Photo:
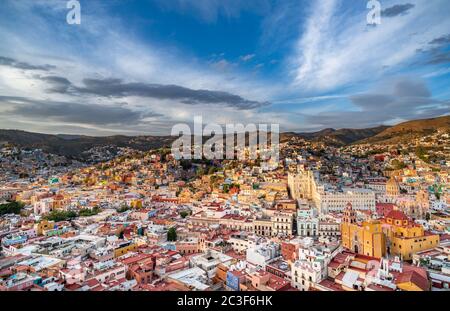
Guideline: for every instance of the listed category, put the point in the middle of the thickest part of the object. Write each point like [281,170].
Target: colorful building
[366,238]
[405,237]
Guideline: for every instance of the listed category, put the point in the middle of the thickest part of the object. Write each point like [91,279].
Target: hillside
[74,145]
[334,137]
[344,137]
[406,131]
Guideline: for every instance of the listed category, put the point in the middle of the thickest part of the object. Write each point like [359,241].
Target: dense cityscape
[362,217]
[224,153]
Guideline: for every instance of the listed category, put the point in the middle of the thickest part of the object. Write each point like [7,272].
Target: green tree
[226,188]
[13,207]
[172,234]
[184,214]
[212,170]
[200,172]
[397,164]
[60,215]
[84,212]
[123,209]
[437,195]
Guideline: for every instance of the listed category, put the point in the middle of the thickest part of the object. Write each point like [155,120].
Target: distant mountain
[337,138]
[406,131]
[74,145]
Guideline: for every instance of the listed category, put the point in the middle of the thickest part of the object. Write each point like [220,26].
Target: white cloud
[84,51]
[246,58]
[336,50]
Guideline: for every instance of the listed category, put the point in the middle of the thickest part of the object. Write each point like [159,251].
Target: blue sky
[141,66]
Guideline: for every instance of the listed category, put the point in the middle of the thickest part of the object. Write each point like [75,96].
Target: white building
[263,253]
[329,228]
[195,278]
[307,226]
[337,200]
[239,242]
[43,206]
[209,261]
[309,269]
[306,185]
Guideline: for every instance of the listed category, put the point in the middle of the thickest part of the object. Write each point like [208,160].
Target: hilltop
[73,145]
[406,131]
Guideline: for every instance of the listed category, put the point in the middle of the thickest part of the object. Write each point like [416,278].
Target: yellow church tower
[366,238]
[392,187]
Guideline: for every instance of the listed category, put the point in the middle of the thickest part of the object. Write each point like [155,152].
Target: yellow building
[44,225]
[392,187]
[185,195]
[405,237]
[136,203]
[395,235]
[124,248]
[365,238]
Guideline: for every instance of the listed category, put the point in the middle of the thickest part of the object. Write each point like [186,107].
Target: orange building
[289,251]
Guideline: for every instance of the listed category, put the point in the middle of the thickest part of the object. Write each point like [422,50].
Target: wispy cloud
[337,50]
[119,89]
[396,10]
[441,40]
[74,113]
[401,99]
[323,51]
[246,58]
[10,62]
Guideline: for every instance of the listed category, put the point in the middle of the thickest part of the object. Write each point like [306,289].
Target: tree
[200,172]
[11,208]
[437,195]
[212,170]
[184,214]
[60,215]
[186,164]
[87,212]
[172,235]
[226,188]
[397,164]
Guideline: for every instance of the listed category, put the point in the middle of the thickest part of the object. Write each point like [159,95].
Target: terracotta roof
[415,278]
[383,209]
[397,215]
[334,264]
[331,285]
[74,286]
[380,288]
